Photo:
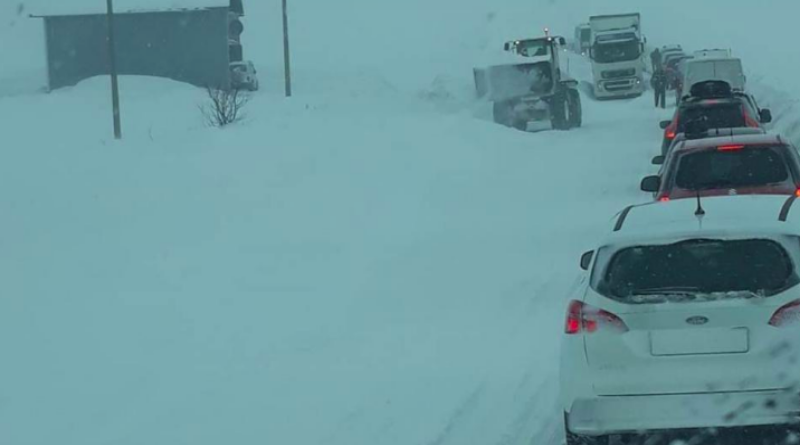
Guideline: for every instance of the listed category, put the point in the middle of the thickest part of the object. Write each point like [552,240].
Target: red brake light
[749,121]
[797,192]
[787,314]
[730,147]
[582,317]
[666,198]
[672,130]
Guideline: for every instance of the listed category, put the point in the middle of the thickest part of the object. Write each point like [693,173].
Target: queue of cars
[687,314]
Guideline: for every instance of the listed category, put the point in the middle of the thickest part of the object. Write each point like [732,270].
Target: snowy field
[371,262]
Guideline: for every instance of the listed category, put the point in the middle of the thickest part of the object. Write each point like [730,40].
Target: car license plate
[699,341]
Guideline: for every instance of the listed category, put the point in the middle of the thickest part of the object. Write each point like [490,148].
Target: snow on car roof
[745,216]
[43,8]
[745,139]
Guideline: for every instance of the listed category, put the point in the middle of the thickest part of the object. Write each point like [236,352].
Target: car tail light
[749,121]
[786,315]
[672,130]
[797,192]
[730,147]
[583,318]
[664,198]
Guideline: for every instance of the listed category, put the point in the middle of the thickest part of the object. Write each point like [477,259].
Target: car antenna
[699,212]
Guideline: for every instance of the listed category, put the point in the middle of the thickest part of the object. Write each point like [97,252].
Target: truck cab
[583,39]
[617,55]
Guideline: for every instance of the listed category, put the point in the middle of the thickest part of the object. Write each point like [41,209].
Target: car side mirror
[658,160]
[562,41]
[586,259]
[664,124]
[651,184]
[507,46]
[765,115]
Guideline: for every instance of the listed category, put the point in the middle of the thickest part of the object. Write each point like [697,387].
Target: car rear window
[698,269]
[716,116]
[716,169]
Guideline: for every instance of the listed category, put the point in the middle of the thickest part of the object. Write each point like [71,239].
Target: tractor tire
[558,111]
[502,113]
[574,109]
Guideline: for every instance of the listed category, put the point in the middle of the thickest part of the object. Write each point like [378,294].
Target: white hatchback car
[688,317]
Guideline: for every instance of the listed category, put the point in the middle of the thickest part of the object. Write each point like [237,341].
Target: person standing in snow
[659,84]
[655,59]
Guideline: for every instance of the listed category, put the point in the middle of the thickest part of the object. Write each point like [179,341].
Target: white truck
[583,39]
[617,55]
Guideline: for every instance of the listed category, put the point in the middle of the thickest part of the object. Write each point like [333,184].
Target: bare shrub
[224,106]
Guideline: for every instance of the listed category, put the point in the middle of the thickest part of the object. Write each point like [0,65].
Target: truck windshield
[697,269]
[586,35]
[533,48]
[616,51]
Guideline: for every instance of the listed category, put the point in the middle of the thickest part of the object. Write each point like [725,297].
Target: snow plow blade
[504,82]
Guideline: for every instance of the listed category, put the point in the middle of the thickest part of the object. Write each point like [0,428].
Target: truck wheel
[558,111]
[502,113]
[574,109]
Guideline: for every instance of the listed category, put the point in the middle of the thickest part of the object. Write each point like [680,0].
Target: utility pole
[112,62]
[286,59]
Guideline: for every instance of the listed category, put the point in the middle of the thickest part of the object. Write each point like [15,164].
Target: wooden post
[112,61]
[286,59]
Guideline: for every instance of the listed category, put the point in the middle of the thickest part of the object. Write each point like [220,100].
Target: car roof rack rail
[787,207]
[621,219]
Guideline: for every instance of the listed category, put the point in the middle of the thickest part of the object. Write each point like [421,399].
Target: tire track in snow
[537,422]
[465,408]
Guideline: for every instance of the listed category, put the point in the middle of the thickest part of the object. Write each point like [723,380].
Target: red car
[734,165]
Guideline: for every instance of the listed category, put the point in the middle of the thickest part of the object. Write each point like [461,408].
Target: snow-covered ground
[369,262]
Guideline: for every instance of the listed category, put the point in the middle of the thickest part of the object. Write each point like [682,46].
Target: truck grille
[616,74]
[619,85]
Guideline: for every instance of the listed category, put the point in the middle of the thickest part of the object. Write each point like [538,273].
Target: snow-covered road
[395,277]
[369,263]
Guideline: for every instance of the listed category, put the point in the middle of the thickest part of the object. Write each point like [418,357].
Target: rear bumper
[627,414]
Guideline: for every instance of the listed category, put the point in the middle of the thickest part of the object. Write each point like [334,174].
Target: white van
[727,69]
[713,54]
